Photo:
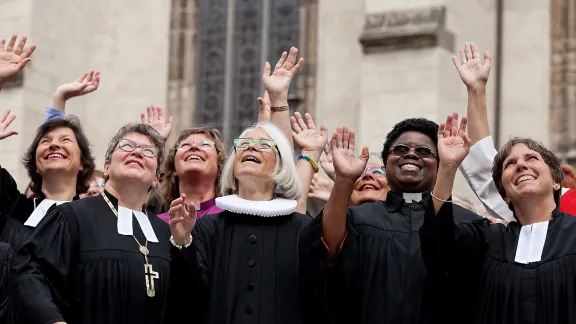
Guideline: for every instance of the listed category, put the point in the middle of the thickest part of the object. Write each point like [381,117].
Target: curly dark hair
[422,125]
[86,158]
[549,158]
[170,184]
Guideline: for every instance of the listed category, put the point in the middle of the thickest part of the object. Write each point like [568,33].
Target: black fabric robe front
[499,289]
[6,257]
[247,269]
[15,208]
[77,268]
[379,275]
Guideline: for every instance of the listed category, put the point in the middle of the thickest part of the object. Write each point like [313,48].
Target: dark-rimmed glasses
[422,152]
[129,146]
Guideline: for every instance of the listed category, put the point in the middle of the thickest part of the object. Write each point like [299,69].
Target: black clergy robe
[501,290]
[76,268]
[247,269]
[15,208]
[379,275]
[6,257]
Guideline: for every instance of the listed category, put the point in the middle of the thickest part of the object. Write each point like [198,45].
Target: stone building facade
[369,63]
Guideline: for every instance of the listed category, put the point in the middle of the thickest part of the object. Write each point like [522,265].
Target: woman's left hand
[278,83]
[182,220]
[310,140]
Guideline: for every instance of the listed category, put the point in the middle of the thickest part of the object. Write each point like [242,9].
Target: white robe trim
[531,242]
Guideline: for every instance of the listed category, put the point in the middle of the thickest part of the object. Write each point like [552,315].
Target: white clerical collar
[125,223]
[268,208]
[531,242]
[40,211]
[412,196]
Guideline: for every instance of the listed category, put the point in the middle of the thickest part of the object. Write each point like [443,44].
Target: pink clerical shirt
[207,207]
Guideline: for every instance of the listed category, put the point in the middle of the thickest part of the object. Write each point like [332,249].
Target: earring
[556,186]
[507,200]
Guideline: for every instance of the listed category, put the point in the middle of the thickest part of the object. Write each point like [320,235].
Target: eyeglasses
[129,146]
[375,172]
[97,184]
[422,152]
[204,144]
[260,144]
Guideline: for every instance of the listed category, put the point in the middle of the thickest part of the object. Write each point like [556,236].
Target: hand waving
[320,188]
[309,139]
[264,103]
[453,142]
[182,220]
[5,120]
[88,83]
[346,164]
[327,164]
[155,117]
[473,71]
[13,60]
[284,71]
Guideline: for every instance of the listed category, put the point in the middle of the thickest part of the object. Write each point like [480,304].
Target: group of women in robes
[237,245]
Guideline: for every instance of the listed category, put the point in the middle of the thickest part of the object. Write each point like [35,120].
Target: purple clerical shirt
[207,207]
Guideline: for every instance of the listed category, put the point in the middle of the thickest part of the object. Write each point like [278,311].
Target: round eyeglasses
[130,146]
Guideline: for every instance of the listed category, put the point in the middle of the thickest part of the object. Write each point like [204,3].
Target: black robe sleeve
[6,257]
[43,267]
[324,287]
[9,196]
[448,246]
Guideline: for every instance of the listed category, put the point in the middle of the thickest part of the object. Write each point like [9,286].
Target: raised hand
[155,117]
[13,59]
[182,220]
[320,188]
[309,139]
[473,70]
[326,162]
[278,82]
[5,120]
[264,103]
[346,164]
[453,142]
[86,84]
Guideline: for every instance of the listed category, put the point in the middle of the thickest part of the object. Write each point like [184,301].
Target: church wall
[127,43]
[339,57]
[526,70]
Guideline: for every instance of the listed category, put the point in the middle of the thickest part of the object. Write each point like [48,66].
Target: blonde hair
[284,175]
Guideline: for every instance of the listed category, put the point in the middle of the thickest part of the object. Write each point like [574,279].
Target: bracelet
[309,159]
[280,108]
[179,247]
[442,200]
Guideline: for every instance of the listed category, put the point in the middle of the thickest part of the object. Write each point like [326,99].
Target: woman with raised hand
[522,273]
[59,163]
[108,259]
[247,255]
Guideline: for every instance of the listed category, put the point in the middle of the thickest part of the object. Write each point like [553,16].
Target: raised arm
[156,118]
[277,85]
[86,84]
[477,167]
[348,168]
[9,194]
[311,142]
[13,58]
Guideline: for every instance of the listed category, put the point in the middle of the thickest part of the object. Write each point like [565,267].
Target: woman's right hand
[182,220]
[5,120]
[453,142]
[88,83]
[346,165]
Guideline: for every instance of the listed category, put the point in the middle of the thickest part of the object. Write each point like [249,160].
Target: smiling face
[412,163]
[125,166]
[197,155]
[58,151]
[526,174]
[255,155]
[371,186]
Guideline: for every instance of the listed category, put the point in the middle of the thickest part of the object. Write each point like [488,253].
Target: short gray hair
[285,174]
[143,129]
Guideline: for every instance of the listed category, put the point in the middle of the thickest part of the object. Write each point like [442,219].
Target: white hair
[284,175]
